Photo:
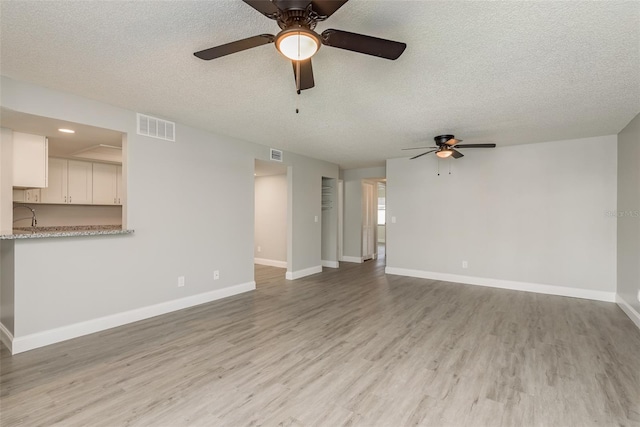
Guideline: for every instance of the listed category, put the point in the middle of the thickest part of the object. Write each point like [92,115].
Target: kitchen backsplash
[52,215]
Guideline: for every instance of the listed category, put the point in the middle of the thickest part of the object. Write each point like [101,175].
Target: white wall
[521,216]
[191,204]
[271,218]
[352,244]
[628,213]
[6,180]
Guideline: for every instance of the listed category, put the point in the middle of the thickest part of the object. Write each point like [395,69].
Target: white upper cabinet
[70,182]
[30,160]
[119,184]
[80,182]
[56,192]
[105,184]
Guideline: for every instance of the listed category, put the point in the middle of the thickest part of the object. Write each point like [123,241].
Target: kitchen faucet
[34,221]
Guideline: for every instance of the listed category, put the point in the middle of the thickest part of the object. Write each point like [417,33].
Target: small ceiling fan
[298,42]
[446,146]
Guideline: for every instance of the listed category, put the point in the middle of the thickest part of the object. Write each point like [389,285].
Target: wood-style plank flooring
[349,346]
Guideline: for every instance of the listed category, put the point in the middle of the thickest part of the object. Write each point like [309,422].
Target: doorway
[374,219]
[381,221]
[270,221]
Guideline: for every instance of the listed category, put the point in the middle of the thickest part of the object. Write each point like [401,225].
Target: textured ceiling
[503,72]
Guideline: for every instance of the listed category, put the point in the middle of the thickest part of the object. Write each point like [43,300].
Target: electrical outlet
[465,264]
[216,275]
[315,218]
[638,294]
[259,249]
[393,220]
[180,281]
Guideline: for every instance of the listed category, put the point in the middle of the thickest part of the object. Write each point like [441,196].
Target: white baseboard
[270,262]
[628,310]
[6,337]
[292,275]
[52,336]
[357,259]
[330,264]
[507,284]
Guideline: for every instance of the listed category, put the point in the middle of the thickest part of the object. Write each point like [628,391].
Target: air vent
[276,155]
[156,128]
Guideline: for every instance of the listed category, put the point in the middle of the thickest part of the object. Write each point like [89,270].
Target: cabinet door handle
[114,200]
[69,199]
[65,199]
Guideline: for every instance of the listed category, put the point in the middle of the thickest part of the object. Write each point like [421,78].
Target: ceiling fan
[298,42]
[446,147]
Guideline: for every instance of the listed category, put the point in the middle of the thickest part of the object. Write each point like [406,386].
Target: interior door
[368,220]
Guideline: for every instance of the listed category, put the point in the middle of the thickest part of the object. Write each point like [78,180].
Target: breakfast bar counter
[64,231]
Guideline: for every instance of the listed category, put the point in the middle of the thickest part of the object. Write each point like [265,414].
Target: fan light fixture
[443,154]
[297,43]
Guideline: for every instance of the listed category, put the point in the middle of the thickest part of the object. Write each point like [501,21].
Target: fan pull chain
[449,167]
[438,166]
[297,83]
[298,76]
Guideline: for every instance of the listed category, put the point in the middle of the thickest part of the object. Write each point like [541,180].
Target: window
[381,211]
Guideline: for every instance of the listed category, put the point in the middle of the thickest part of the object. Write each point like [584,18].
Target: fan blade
[363,44]
[327,8]
[233,47]
[265,7]
[476,146]
[453,141]
[417,148]
[306,74]
[420,155]
[455,153]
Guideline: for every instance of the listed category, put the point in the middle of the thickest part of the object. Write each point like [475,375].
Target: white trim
[51,336]
[6,337]
[357,259]
[270,262]
[292,275]
[330,264]
[628,310]
[507,284]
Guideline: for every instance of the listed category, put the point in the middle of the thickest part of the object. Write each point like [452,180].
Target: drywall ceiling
[63,144]
[504,72]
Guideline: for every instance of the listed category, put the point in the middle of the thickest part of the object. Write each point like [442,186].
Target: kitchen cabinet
[27,196]
[70,182]
[119,187]
[30,160]
[107,184]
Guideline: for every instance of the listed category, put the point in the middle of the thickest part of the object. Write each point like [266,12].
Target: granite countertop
[64,231]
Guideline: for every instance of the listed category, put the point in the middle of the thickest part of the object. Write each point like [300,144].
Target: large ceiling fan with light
[446,146]
[299,42]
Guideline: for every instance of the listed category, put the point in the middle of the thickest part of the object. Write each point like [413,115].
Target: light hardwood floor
[344,347]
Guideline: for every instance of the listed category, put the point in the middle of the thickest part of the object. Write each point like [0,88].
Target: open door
[369,220]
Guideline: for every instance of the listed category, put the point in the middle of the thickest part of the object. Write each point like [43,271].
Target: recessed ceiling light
[67,130]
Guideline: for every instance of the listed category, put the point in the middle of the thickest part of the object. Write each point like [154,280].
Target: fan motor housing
[442,139]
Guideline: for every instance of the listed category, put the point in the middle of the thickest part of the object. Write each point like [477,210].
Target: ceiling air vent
[276,155]
[156,128]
